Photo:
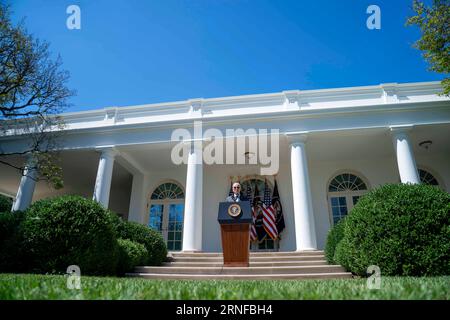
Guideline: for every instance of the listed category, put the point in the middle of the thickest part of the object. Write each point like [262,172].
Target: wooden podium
[235,219]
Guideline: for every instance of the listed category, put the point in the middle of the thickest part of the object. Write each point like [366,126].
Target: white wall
[216,188]
[438,165]
[154,179]
[216,184]
[375,172]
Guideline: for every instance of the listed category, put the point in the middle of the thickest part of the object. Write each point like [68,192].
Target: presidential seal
[234,210]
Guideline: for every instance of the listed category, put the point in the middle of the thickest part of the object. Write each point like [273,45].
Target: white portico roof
[281,104]
[357,109]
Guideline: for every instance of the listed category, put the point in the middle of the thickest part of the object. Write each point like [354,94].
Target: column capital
[297,138]
[31,162]
[396,129]
[109,151]
[195,144]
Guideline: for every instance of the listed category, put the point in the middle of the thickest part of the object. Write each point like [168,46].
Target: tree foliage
[434,23]
[32,93]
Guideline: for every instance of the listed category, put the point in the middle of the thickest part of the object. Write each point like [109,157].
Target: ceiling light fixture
[425,144]
[249,155]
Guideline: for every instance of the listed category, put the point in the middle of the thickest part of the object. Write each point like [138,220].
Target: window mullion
[349,199]
[165,220]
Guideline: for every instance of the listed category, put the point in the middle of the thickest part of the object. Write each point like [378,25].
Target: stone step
[296,276]
[263,266]
[176,254]
[288,253]
[241,270]
[252,264]
[219,259]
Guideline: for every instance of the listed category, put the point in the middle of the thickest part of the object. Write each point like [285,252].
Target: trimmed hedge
[402,228]
[5,203]
[12,257]
[152,240]
[334,237]
[131,254]
[70,230]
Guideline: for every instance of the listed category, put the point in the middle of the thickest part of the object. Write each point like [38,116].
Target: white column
[26,188]
[104,177]
[192,231]
[136,211]
[305,232]
[405,157]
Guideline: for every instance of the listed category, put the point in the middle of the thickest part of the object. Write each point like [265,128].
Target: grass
[30,287]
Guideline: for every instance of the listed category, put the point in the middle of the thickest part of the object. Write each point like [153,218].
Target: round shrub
[402,228]
[5,203]
[70,230]
[131,254]
[152,240]
[334,237]
[12,257]
[116,221]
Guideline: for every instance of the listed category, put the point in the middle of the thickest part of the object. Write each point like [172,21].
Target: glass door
[167,219]
[175,226]
[342,204]
[156,217]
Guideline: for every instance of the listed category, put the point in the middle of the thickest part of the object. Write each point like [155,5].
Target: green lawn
[15,286]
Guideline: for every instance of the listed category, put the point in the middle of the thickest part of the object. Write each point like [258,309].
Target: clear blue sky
[147,51]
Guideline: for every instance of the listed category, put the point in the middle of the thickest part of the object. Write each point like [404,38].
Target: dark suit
[233,199]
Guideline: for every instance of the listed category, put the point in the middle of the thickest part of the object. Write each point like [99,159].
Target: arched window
[166,214]
[168,190]
[248,186]
[428,178]
[344,190]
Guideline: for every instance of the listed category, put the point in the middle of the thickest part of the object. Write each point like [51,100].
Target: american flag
[257,207]
[253,234]
[269,214]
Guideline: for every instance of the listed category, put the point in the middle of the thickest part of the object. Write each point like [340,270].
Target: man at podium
[235,218]
[237,195]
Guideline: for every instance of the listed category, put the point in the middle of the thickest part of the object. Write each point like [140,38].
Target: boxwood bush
[402,228]
[152,240]
[12,257]
[334,237]
[70,230]
[5,203]
[131,254]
